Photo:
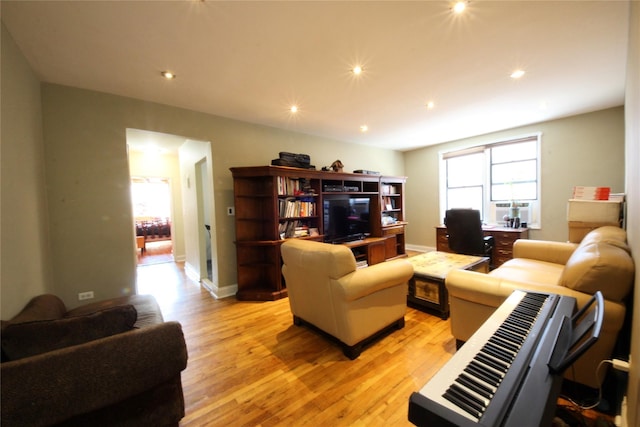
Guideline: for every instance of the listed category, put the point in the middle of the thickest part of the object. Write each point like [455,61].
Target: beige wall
[164,165]
[632,157]
[587,149]
[88,178]
[25,267]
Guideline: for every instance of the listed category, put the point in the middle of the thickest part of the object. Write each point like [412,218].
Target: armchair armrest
[544,250]
[366,281]
[60,384]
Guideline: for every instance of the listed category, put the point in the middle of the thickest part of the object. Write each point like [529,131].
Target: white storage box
[593,211]
[586,215]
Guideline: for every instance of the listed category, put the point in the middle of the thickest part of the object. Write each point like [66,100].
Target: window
[151,197]
[491,177]
[465,181]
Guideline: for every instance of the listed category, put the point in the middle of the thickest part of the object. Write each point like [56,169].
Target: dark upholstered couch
[109,363]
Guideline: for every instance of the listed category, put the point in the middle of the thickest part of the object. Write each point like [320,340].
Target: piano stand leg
[459,343]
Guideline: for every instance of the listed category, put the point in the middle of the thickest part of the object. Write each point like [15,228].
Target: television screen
[345,218]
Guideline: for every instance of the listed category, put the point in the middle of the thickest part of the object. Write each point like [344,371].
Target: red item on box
[591,193]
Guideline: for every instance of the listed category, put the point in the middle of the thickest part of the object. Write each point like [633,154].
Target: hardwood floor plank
[250,366]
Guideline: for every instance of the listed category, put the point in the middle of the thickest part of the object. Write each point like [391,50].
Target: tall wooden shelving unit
[393,220]
[261,195]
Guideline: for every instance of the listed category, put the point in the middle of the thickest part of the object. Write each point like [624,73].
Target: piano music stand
[569,343]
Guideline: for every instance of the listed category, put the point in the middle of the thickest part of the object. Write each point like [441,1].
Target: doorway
[188,164]
[151,200]
[204,194]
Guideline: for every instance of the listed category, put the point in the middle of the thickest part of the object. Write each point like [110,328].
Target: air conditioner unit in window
[499,209]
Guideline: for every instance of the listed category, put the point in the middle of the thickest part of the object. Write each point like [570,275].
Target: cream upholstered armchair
[352,305]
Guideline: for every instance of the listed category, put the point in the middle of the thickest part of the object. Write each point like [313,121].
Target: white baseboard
[191,272]
[420,248]
[215,291]
[218,292]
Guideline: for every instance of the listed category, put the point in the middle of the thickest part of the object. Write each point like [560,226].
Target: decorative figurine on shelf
[337,166]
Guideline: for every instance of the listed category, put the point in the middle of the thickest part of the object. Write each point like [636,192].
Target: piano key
[485,380]
[493,362]
[476,385]
[474,400]
[516,329]
[509,336]
[487,370]
[502,343]
[459,401]
[486,376]
[498,352]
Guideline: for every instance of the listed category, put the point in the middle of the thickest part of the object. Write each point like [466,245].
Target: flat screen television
[346,218]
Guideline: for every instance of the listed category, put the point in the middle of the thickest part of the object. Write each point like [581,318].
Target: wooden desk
[427,290]
[503,236]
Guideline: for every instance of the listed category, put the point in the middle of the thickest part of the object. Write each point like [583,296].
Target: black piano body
[481,386]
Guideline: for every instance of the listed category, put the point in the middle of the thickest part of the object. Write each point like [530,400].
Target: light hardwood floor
[250,366]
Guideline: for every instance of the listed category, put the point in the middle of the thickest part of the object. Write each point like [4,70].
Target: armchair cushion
[26,339]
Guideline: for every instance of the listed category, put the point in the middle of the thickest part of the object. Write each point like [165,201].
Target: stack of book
[291,207]
[591,193]
[288,229]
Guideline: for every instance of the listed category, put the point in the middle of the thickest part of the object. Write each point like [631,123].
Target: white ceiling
[250,60]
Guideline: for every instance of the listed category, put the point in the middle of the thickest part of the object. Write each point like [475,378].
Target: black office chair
[464,232]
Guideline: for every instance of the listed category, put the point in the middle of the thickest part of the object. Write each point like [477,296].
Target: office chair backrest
[464,228]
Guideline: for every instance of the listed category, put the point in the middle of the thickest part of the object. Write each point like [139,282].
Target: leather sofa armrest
[491,291]
[366,281]
[544,250]
[91,375]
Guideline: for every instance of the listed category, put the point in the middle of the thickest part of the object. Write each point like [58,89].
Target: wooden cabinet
[369,251]
[274,203]
[503,237]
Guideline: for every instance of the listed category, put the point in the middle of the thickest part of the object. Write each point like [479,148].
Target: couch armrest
[544,250]
[491,291]
[54,386]
[366,281]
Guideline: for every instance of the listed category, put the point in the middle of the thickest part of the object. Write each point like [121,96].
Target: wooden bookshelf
[275,203]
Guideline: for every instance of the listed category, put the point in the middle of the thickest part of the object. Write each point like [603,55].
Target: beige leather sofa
[353,305]
[602,261]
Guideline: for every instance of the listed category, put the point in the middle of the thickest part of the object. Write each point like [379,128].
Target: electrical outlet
[85,295]
[231,211]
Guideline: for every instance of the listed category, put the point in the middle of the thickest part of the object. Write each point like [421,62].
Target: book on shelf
[291,207]
[293,186]
[361,264]
[294,228]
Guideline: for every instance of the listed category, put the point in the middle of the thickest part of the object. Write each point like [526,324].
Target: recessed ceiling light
[364,128]
[168,75]
[357,70]
[459,6]
[430,105]
[517,74]
[294,109]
